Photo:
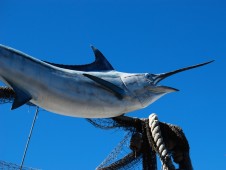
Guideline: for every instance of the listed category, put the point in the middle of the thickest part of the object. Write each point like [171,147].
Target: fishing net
[138,149]
[11,166]
[134,151]
[7,95]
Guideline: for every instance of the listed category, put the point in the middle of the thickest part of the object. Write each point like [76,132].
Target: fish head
[146,86]
[151,90]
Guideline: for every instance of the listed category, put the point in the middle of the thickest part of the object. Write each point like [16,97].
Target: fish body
[95,90]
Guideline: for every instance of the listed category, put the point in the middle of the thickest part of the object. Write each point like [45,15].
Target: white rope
[29,137]
[159,142]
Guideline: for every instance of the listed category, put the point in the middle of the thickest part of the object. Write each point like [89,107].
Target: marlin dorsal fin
[100,63]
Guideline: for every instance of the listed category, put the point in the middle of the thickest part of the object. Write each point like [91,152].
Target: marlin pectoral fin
[118,91]
[21,98]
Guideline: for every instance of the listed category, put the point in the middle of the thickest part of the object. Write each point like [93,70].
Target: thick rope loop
[167,163]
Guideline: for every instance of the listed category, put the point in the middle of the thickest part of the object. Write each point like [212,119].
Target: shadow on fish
[93,90]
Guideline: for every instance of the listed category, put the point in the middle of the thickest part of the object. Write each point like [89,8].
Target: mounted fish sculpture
[94,90]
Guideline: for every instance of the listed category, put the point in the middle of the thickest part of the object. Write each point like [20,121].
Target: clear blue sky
[136,36]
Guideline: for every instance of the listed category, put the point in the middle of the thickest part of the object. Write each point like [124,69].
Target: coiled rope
[160,146]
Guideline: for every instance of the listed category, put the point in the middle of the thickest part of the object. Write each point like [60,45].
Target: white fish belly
[79,98]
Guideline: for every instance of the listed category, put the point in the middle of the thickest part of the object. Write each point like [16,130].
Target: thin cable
[29,137]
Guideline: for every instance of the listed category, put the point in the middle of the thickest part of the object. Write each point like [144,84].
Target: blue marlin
[93,90]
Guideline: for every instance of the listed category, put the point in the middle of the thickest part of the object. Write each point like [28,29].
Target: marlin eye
[148,76]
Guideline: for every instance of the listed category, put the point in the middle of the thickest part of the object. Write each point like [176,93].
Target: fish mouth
[159,77]
[162,89]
